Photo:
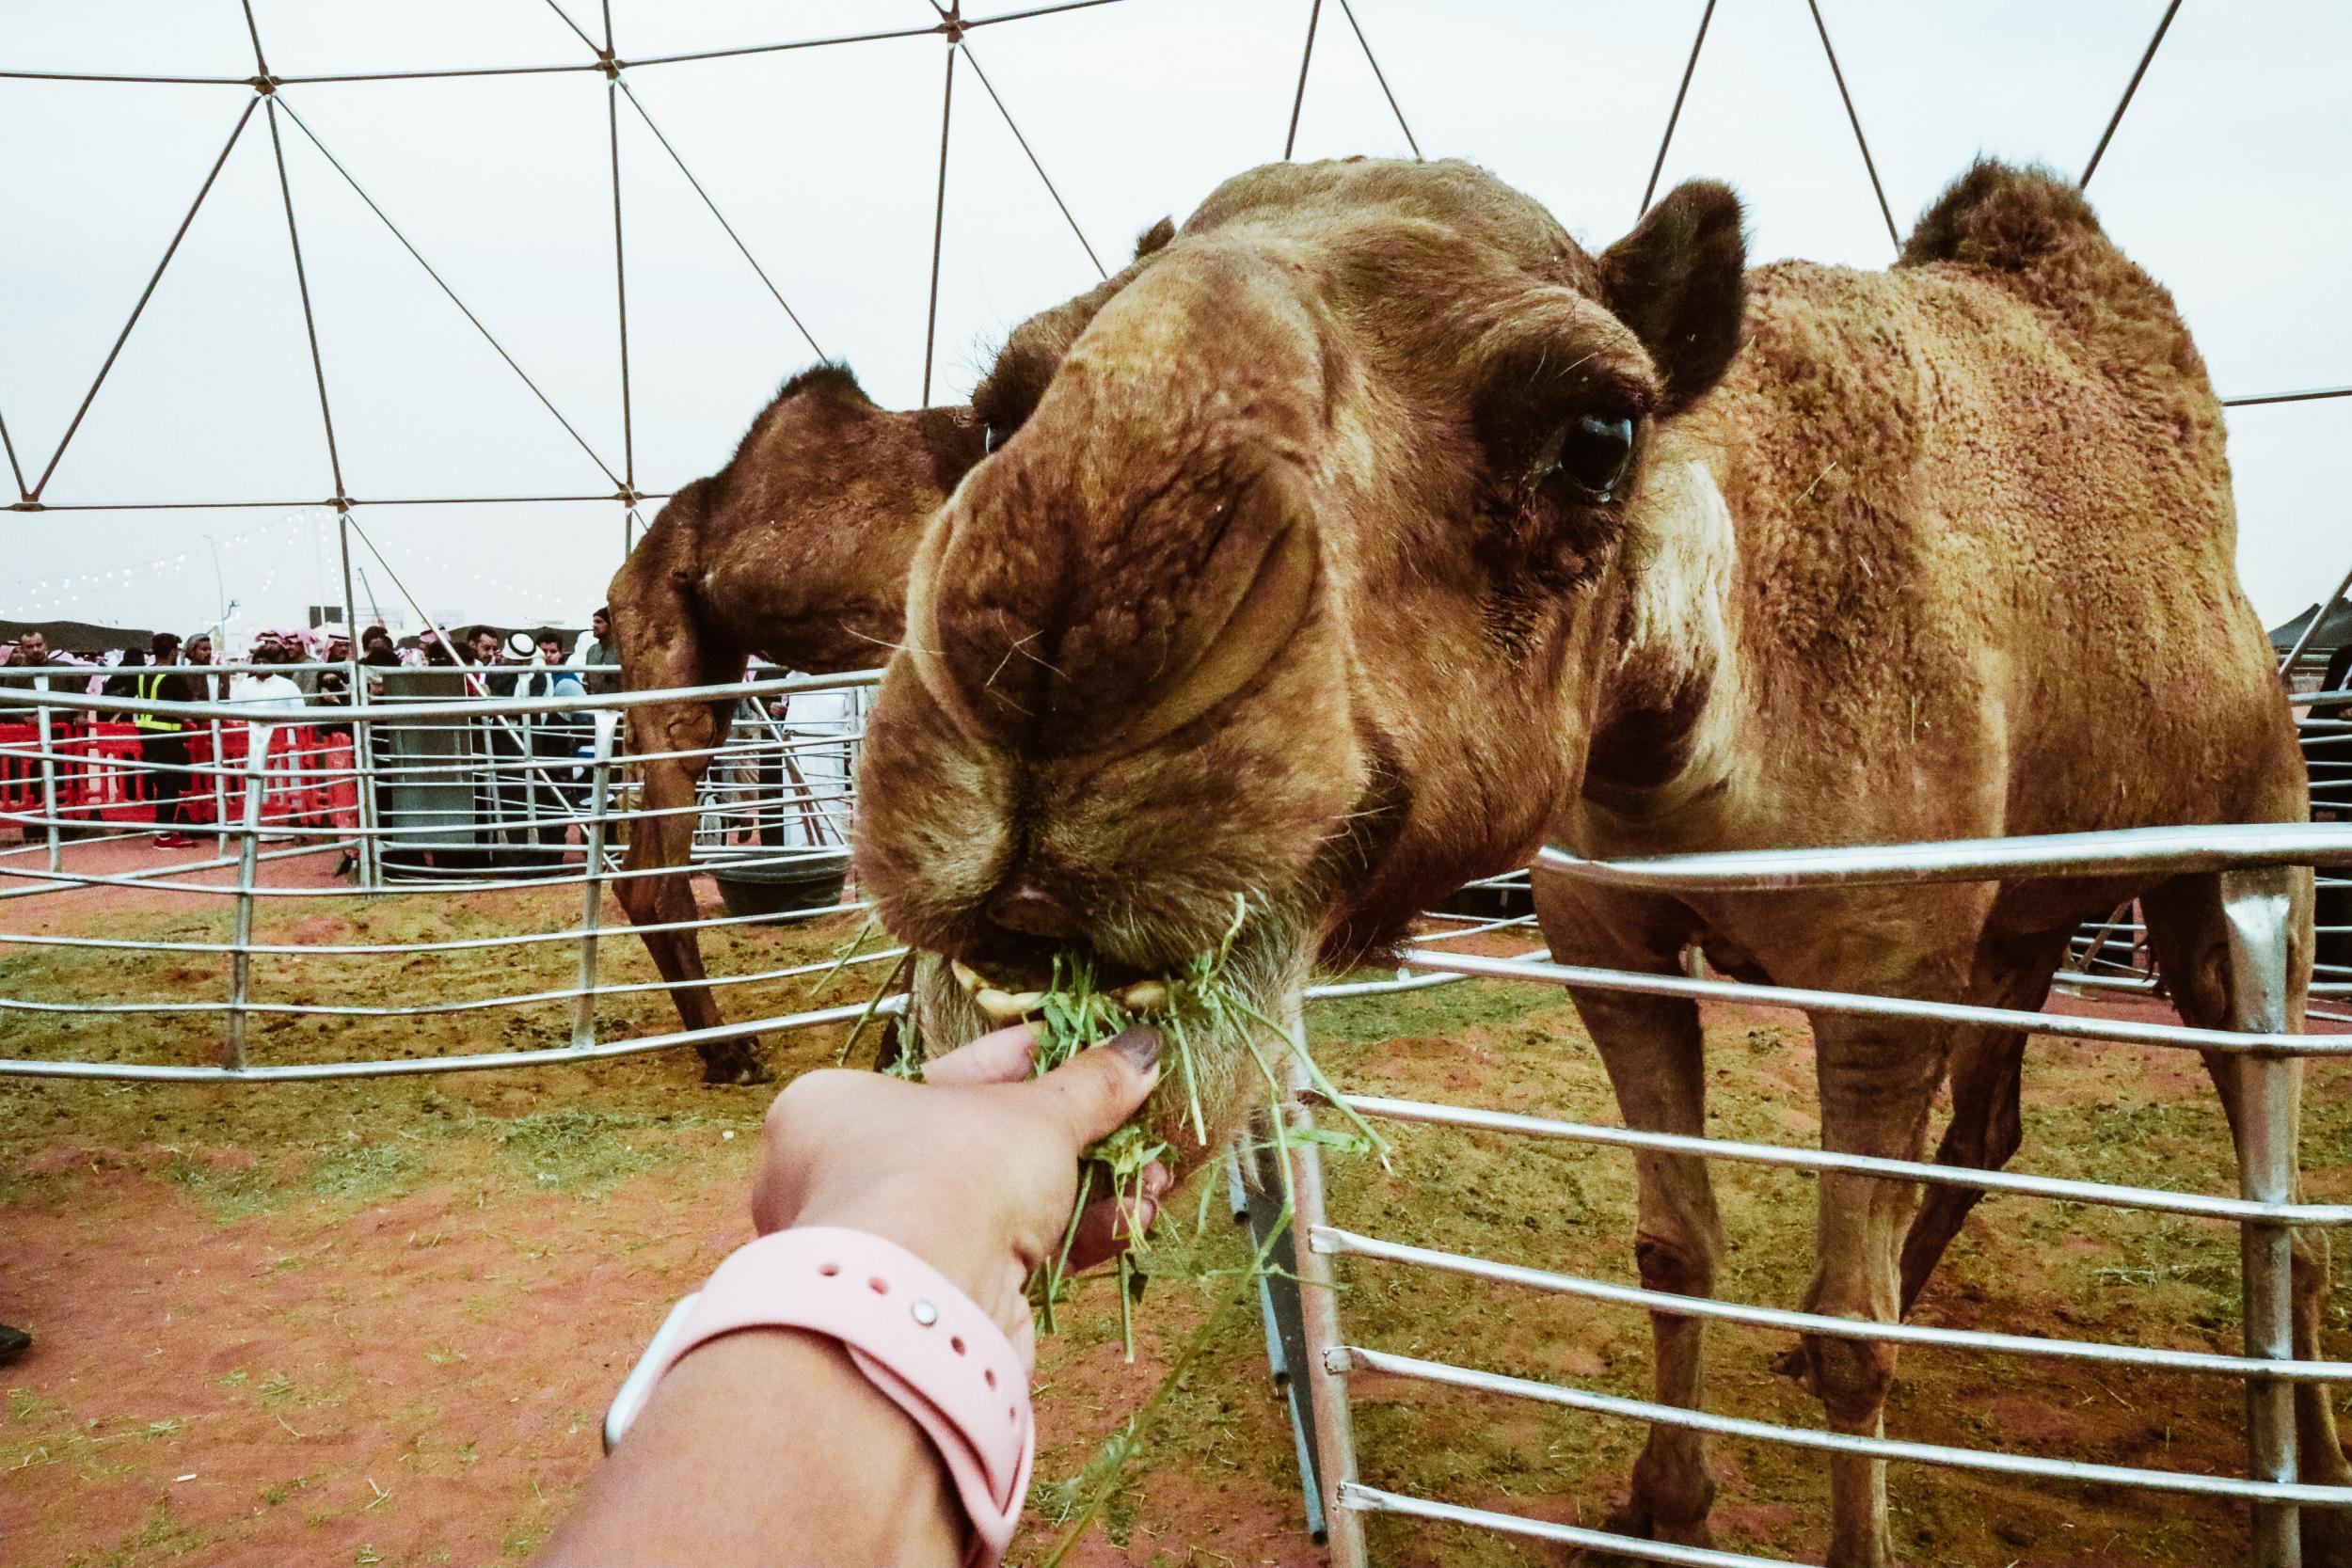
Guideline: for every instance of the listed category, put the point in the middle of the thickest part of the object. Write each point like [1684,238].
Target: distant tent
[77,634]
[2334,632]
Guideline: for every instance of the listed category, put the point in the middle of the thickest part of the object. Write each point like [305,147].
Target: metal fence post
[49,778]
[220,787]
[1325,1372]
[2257,909]
[241,920]
[370,850]
[592,895]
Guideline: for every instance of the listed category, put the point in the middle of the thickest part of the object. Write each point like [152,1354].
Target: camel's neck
[1660,734]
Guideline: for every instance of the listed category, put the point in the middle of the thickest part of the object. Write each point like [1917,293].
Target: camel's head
[802,540]
[1288,584]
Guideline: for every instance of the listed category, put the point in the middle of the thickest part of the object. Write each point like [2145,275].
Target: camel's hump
[2032,233]
[2002,217]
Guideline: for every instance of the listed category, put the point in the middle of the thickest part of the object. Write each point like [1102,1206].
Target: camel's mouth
[1228,1018]
[1005,1004]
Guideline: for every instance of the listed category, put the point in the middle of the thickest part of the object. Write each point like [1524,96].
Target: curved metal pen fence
[433,798]
[427,794]
[422,790]
[2257,866]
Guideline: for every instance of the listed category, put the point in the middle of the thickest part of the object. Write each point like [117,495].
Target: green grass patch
[230,1193]
[368,1170]
[162,1534]
[582,1151]
[24,1405]
[1438,1012]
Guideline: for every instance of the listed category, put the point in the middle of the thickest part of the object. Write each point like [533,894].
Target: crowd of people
[592,660]
[303,671]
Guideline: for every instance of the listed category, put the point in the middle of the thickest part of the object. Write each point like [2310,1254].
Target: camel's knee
[1851,1377]
[2198,986]
[1679,1264]
[640,899]
[1986,1146]
[1671,1480]
[2005,1131]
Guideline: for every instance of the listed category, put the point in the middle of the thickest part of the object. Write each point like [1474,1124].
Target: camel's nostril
[1023,906]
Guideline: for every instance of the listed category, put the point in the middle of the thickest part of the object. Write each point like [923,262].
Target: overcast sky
[2227,179]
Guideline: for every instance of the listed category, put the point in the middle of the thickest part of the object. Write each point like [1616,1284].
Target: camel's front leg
[1985,1127]
[663,840]
[1984,1132]
[1877,1078]
[1652,1049]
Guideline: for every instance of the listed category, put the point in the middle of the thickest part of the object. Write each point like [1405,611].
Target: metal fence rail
[2256,863]
[421,795]
[514,814]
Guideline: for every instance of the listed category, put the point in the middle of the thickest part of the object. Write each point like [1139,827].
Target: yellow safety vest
[150,688]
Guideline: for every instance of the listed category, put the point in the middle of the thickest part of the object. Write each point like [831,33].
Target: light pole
[221,593]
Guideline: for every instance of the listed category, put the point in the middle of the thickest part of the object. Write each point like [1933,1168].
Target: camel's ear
[1155,238]
[1676,281]
[687,507]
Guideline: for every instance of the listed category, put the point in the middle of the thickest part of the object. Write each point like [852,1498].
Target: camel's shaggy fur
[1312,571]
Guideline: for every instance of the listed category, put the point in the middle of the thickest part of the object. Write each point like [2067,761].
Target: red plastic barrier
[110,785]
[20,768]
[342,782]
[195,806]
[96,765]
[304,771]
[308,778]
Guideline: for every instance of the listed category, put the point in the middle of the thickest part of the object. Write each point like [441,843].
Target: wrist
[887,1488]
[911,1333]
[962,1247]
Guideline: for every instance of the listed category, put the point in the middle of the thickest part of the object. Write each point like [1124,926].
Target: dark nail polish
[1141,1044]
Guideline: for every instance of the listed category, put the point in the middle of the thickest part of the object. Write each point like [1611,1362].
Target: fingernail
[1141,1044]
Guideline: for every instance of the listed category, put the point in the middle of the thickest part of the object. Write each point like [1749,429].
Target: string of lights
[51,593]
[517,592]
[31,476]
[59,593]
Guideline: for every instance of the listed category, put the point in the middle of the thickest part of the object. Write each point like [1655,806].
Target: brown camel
[1373,533]
[796,551]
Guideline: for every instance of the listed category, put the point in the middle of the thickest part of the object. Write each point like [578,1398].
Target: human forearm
[768,1446]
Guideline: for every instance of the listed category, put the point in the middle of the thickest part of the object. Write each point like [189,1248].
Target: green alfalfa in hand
[1076,1015]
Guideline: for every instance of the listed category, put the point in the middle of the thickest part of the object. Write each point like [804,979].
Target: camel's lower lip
[1001,1007]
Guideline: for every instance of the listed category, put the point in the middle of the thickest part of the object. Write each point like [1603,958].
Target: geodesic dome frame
[613,455]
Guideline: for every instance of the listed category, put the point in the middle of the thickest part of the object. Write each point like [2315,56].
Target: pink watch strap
[912,1331]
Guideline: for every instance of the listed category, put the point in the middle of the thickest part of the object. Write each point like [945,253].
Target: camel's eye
[1593,453]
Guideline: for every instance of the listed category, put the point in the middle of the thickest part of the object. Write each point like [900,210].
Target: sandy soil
[378,1322]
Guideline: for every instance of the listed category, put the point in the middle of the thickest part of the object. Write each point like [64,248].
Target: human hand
[1107,1223]
[975,1171]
